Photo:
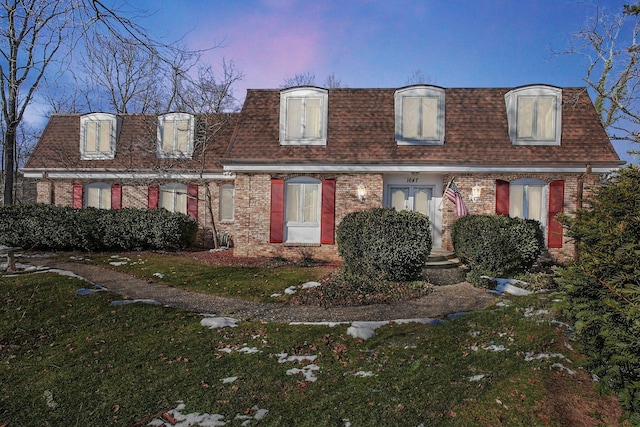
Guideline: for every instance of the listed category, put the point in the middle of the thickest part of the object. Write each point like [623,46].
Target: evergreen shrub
[603,285]
[496,246]
[384,244]
[52,227]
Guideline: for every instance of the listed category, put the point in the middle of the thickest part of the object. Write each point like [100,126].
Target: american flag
[453,194]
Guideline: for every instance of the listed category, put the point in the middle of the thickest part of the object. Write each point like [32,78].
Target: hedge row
[385,244]
[52,227]
[496,246]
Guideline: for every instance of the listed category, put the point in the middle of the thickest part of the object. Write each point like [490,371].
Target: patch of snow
[424,321]
[530,312]
[248,350]
[508,286]
[563,368]
[159,275]
[192,419]
[118,263]
[229,380]
[364,330]
[311,285]
[503,304]
[257,414]
[219,322]
[276,295]
[50,402]
[117,303]
[226,350]
[494,347]
[284,357]
[307,371]
[476,377]
[290,290]
[530,355]
[569,346]
[84,291]
[364,374]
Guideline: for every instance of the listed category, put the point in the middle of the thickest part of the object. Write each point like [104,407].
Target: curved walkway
[442,301]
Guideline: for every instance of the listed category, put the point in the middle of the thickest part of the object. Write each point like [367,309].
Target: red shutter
[328,210]
[116,196]
[556,206]
[276,226]
[154,195]
[192,201]
[502,197]
[77,196]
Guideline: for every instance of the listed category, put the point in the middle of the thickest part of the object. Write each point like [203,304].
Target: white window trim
[233,203]
[422,92]
[292,225]
[511,101]
[175,154]
[101,186]
[115,128]
[304,92]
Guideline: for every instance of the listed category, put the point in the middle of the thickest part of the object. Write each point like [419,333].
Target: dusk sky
[368,43]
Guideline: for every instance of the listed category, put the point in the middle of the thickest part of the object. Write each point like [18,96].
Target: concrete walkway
[442,301]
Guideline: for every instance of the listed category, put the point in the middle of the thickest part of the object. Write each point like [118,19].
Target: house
[280,175]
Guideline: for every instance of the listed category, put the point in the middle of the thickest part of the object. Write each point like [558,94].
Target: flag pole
[445,192]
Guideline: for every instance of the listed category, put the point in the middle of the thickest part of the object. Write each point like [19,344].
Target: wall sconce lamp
[476,191]
[362,192]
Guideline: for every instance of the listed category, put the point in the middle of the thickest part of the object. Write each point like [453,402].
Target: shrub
[384,244]
[603,285]
[63,228]
[496,246]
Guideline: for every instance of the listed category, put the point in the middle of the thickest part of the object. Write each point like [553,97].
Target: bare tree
[37,38]
[416,78]
[609,43]
[303,79]
[332,82]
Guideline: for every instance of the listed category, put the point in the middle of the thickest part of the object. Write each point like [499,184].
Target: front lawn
[76,360]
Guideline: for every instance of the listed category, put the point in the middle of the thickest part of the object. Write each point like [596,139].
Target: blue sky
[370,43]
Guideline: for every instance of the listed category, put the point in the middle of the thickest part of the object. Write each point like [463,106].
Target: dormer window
[175,135]
[535,115]
[98,132]
[303,116]
[419,115]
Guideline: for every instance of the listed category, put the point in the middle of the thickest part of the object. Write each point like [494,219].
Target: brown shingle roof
[59,145]
[361,130]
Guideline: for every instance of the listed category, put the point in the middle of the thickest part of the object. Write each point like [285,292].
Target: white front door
[412,198]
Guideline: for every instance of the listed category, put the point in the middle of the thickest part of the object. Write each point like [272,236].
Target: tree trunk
[9,155]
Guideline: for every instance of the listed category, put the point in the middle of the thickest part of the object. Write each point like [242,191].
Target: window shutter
[154,192]
[77,196]
[276,226]
[116,196]
[556,206]
[192,201]
[502,197]
[328,209]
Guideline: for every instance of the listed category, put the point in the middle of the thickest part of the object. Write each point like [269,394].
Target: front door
[412,198]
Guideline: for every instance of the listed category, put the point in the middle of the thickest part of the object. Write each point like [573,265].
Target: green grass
[116,366]
[249,283]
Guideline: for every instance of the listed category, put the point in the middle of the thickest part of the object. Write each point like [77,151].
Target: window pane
[516,201]
[398,198]
[421,202]
[293,202]
[226,203]
[104,144]
[181,200]
[430,118]
[294,118]
[525,116]
[90,135]
[534,199]
[167,136]
[105,198]
[410,117]
[545,118]
[93,197]
[312,118]
[182,136]
[167,199]
[311,203]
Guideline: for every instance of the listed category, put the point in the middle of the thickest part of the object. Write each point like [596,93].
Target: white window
[302,210]
[175,135]
[535,115]
[98,132]
[419,115]
[227,201]
[303,116]
[173,197]
[97,195]
[527,199]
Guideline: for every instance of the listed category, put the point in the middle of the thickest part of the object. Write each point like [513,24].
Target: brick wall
[253,206]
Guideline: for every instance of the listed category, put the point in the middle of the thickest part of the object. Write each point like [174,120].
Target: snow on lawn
[365,330]
[219,322]
[293,289]
[176,417]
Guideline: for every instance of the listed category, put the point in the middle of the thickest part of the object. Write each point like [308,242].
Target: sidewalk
[442,301]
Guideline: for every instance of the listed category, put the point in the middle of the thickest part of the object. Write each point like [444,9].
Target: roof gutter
[79,174]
